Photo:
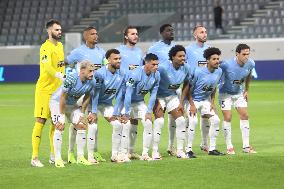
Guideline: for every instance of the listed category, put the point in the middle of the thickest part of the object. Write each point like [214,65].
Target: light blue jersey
[96,55]
[138,85]
[108,86]
[161,49]
[204,83]
[194,55]
[172,79]
[74,88]
[131,58]
[235,75]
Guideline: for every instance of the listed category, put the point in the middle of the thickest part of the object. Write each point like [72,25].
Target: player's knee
[193,121]
[81,126]
[159,123]
[147,126]
[116,126]
[214,121]
[134,121]
[244,116]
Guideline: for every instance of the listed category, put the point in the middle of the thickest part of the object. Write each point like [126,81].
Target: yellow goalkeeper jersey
[51,61]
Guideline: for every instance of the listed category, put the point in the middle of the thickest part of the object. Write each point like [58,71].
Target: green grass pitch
[262,170]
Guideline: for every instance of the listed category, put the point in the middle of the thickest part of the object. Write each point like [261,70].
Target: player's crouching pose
[109,85]
[142,80]
[234,91]
[63,102]
[201,97]
[172,76]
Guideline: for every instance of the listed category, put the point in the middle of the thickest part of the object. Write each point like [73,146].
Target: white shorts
[72,113]
[226,101]
[170,102]
[203,107]
[106,111]
[137,110]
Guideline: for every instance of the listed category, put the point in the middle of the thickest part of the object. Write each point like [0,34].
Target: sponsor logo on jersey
[238,82]
[202,63]
[132,66]
[176,86]
[207,88]
[110,91]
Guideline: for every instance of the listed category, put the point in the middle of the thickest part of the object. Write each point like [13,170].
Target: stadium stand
[22,22]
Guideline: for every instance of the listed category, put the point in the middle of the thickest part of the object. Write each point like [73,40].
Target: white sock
[57,143]
[186,130]
[227,134]
[158,125]
[180,132]
[204,127]
[132,138]
[116,136]
[172,131]
[92,128]
[72,138]
[147,135]
[125,137]
[81,142]
[244,125]
[213,131]
[193,122]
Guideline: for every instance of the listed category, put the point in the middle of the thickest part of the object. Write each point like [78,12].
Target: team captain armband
[132,66]
[176,86]
[202,63]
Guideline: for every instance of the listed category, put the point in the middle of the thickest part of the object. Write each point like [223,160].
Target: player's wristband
[61,118]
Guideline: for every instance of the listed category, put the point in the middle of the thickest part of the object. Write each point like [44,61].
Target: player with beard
[92,52]
[161,49]
[131,58]
[52,69]
[194,57]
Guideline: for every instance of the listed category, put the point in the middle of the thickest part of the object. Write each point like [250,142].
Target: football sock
[57,142]
[116,136]
[227,134]
[132,138]
[193,121]
[244,125]
[125,137]
[172,130]
[158,125]
[72,138]
[213,131]
[51,133]
[36,138]
[204,126]
[180,132]
[147,135]
[91,139]
[81,142]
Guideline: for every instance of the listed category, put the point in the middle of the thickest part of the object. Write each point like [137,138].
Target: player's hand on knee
[192,110]
[180,108]
[113,118]
[59,126]
[92,118]
[124,118]
[148,116]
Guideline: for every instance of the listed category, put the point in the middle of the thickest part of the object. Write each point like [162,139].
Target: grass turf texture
[262,170]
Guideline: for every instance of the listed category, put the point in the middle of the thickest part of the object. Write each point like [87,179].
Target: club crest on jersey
[44,59]
[130,81]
